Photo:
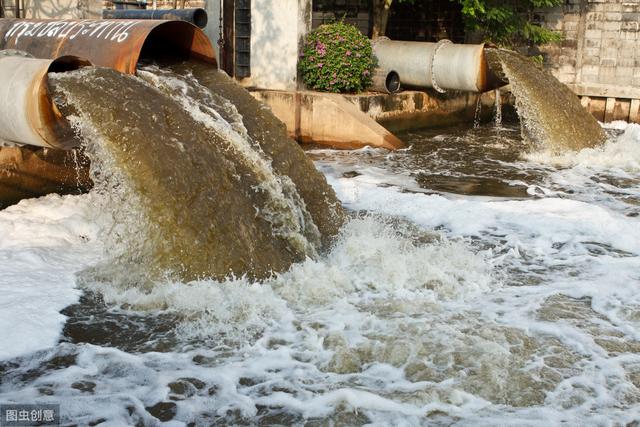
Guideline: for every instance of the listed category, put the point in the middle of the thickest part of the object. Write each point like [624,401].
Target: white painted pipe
[442,66]
[28,116]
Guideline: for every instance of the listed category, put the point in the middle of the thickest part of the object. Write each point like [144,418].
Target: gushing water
[498,119]
[550,113]
[471,285]
[193,193]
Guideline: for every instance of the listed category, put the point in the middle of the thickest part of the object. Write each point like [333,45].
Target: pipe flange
[434,80]
[14,52]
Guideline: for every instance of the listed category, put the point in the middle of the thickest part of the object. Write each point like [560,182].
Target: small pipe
[196,16]
[385,81]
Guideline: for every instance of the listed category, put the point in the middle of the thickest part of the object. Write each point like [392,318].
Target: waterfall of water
[478,114]
[550,113]
[194,193]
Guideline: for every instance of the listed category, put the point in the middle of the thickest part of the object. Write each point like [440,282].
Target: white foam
[622,152]
[616,124]
[44,242]
[429,309]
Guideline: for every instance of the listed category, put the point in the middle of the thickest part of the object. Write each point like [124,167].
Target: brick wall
[600,54]
[601,43]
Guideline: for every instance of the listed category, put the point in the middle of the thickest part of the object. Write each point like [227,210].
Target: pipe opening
[176,41]
[200,18]
[392,82]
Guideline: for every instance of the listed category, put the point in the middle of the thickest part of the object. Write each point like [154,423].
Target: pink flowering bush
[336,58]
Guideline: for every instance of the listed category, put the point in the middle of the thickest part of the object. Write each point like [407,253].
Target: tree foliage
[507,23]
[504,22]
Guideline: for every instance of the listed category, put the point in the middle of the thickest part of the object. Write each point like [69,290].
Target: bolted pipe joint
[442,66]
[28,115]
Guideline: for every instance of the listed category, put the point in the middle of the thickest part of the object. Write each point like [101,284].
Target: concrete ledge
[353,121]
[27,171]
[409,110]
[610,108]
[326,119]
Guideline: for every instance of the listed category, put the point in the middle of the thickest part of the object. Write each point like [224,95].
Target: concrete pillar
[277,31]
[634,111]
[608,109]
[585,101]
[212,30]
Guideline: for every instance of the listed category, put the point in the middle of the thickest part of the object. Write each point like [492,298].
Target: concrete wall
[600,53]
[278,28]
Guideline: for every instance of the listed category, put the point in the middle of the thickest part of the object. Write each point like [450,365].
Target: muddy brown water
[551,114]
[472,284]
[198,193]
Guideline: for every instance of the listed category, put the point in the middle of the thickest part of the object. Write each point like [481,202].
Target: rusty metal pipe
[117,44]
[197,16]
[27,113]
[442,66]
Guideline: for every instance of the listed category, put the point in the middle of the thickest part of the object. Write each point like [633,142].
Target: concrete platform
[326,119]
[410,110]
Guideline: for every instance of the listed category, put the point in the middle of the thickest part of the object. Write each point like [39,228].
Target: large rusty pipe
[442,66]
[30,171]
[113,43]
[27,113]
[197,16]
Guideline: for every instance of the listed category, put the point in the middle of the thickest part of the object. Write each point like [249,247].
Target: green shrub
[336,58]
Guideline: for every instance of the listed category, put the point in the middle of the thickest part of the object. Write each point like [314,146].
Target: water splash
[498,119]
[478,113]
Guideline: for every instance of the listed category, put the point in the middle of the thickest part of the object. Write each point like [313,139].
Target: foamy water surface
[473,285]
